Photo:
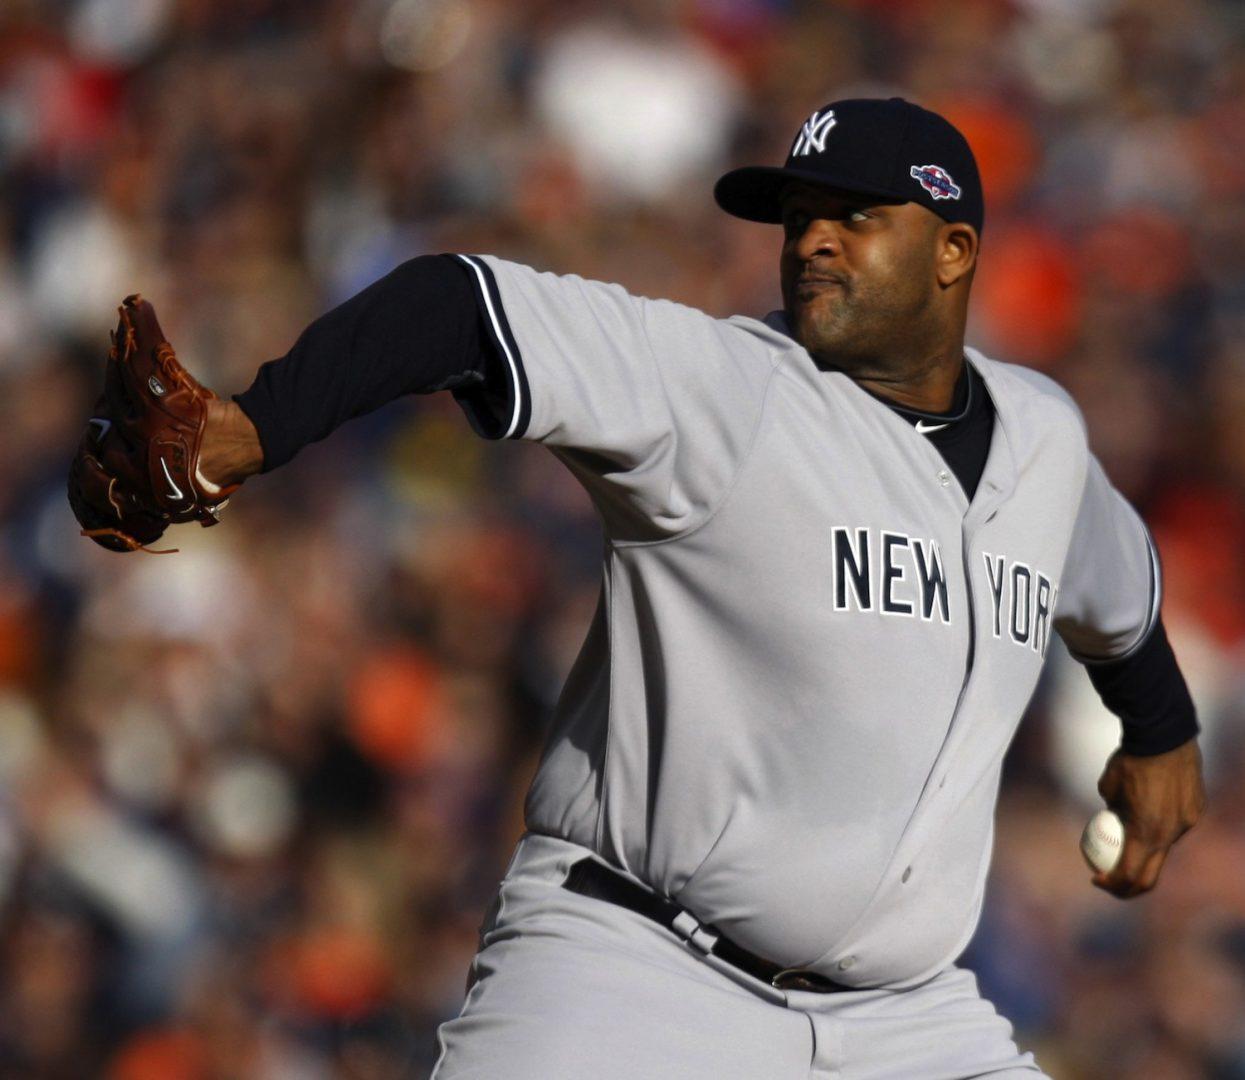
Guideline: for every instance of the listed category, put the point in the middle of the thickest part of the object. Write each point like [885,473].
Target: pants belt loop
[690,929]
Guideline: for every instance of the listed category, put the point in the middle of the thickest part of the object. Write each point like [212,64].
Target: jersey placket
[997,483]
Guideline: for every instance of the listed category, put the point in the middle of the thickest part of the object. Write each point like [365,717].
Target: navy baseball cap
[887,148]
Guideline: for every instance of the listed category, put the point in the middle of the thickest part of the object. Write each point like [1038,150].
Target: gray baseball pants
[567,987]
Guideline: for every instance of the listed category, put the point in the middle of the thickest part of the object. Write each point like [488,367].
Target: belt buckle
[800,979]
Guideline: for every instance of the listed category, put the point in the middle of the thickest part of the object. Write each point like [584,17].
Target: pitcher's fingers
[1149,876]
[1137,879]
[1121,880]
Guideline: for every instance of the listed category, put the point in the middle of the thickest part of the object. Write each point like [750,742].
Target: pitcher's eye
[858,216]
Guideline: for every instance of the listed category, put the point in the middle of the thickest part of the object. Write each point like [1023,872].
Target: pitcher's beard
[878,343]
[833,336]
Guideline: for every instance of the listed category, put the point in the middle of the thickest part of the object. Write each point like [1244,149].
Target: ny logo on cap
[813,134]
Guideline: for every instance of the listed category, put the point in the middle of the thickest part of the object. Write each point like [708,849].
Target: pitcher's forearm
[231,450]
[415,331]
[1147,691]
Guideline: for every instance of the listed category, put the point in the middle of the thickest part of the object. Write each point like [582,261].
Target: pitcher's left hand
[1159,799]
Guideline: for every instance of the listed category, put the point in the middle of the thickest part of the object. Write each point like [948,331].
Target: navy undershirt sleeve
[1148,693]
[416,330]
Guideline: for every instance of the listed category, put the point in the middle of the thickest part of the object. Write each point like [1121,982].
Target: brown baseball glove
[137,467]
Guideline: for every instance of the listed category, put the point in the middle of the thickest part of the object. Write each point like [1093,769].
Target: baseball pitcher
[839,543]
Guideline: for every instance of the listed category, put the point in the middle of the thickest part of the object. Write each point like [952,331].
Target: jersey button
[906,874]
[944,477]
[847,963]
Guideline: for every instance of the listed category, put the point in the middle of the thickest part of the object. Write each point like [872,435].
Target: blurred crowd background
[254,797]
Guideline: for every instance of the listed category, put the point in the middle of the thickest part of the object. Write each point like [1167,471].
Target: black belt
[591,878]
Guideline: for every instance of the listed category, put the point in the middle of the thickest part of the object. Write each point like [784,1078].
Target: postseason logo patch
[936,180]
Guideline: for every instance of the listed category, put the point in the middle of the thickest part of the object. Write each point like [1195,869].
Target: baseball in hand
[1102,842]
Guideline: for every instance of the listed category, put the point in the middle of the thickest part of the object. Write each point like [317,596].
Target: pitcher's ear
[956,248]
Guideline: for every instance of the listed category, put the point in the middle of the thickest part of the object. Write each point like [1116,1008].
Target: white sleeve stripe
[500,335]
[1156,598]
[1152,616]
[1156,584]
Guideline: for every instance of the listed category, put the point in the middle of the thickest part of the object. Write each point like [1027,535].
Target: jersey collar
[777,320]
[999,478]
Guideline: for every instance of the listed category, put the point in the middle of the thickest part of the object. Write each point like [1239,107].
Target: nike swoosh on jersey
[928,429]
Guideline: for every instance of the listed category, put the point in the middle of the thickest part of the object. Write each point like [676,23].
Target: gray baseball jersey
[811,651]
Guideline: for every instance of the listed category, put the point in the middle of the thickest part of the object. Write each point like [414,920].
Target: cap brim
[754,192]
